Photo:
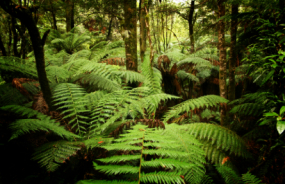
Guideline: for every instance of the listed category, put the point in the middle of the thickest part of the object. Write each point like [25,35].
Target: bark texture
[233,56]
[191,25]
[26,18]
[130,34]
[142,28]
[69,15]
[2,48]
[222,56]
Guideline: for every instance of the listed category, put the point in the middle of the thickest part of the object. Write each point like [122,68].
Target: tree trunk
[10,36]
[15,37]
[222,57]
[109,35]
[72,15]
[2,48]
[26,18]
[130,34]
[149,36]
[142,29]
[191,25]
[68,15]
[54,20]
[233,55]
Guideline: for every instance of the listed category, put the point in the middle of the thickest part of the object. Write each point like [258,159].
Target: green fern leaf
[71,98]
[204,101]
[52,154]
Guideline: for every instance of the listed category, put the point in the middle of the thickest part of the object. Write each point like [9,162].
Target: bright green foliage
[70,98]
[184,75]
[69,41]
[152,77]
[218,142]
[39,122]
[18,65]
[180,158]
[231,177]
[253,103]
[192,104]
[51,154]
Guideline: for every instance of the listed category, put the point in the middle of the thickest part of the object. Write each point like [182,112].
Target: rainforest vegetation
[146,91]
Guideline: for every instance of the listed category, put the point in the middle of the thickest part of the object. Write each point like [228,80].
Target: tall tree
[2,48]
[69,14]
[130,34]
[191,22]
[24,14]
[233,55]
[222,56]
[142,28]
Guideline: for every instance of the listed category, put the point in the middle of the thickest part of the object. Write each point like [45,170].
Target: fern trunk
[222,57]
[26,18]
[130,34]
[233,57]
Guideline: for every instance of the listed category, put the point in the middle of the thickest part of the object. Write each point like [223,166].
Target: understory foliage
[97,109]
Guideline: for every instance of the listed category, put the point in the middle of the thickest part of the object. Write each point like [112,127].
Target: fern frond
[195,61]
[57,74]
[229,176]
[192,104]
[43,122]
[130,76]
[15,64]
[175,55]
[248,109]
[70,97]
[52,154]
[117,105]
[250,179]
[153,77]
[219,136]
[151,102]
[99,82]
[10,95]
[184,75]
[105,182]
[173,155]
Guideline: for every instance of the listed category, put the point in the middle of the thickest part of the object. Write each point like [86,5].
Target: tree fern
[70,41]
[10,95]
[192,104]
[69,97]
[218,142]
[229,175]
[116,105]
[57,74]
[194,61]
[52,154]
[152,77]
[175,157]
[15,64]
[183,75]
[39,122]
[250,179]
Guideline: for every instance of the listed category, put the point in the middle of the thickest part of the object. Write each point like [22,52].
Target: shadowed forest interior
[142,92]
